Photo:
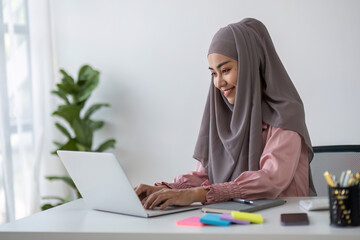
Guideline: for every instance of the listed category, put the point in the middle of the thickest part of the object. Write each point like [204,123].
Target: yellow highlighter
[329,179]
[245,216]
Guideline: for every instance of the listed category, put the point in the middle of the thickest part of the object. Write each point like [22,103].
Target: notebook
[104,185]
[228,207]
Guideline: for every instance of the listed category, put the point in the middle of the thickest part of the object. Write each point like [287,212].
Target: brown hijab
[230,137]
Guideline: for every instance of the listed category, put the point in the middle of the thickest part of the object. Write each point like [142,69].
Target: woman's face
[224,71]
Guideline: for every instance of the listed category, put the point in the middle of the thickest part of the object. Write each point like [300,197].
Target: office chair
[333,159]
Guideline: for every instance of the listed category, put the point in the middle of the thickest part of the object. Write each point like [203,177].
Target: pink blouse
[284,172]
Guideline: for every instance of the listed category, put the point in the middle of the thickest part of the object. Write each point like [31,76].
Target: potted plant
[79,127]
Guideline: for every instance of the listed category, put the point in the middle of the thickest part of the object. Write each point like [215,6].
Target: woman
[253,141]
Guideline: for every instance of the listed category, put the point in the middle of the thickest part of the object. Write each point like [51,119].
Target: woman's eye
[213,74]
[225,70]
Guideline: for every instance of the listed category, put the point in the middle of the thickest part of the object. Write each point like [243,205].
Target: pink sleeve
[192,179]
[278,165]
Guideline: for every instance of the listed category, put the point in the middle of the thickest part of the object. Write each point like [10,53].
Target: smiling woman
[253,141]
[224,73]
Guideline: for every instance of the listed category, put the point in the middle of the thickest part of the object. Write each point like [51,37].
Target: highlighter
[214,219]
[329,179]
[190,221]
[245,216]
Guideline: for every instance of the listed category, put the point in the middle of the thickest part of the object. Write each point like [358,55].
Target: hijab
[230,137]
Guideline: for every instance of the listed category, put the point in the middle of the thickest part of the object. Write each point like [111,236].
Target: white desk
[75,221]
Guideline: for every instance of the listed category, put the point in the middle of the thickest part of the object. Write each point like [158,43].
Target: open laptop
[104,186]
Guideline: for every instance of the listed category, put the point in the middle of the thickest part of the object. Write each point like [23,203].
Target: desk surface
[75,221]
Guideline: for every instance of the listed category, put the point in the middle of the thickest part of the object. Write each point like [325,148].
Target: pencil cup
[344,206]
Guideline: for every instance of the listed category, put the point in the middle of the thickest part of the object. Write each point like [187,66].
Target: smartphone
[294,219]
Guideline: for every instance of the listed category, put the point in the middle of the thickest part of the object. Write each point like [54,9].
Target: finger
[166,204]
[156,198]
[153,200]
[149,200]
[140,189]
[166,197]
[142,196]
[137,190]
[143,200]
[159,200]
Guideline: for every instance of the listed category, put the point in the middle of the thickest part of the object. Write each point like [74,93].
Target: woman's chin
[231,100]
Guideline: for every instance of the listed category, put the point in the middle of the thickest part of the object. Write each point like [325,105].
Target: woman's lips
[227,92]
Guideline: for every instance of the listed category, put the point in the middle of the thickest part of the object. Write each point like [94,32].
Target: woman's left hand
[181,197]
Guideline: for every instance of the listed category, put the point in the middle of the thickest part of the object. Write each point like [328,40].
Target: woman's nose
[219,82]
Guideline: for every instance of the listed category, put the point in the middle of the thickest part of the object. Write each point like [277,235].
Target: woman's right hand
[143,191]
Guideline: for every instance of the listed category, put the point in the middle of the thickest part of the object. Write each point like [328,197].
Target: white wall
[152,58]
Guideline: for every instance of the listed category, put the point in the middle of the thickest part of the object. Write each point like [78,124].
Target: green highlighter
[245,216]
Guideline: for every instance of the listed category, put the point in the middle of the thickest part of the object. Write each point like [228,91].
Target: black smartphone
[294,219]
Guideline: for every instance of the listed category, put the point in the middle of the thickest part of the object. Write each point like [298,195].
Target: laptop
[104,186]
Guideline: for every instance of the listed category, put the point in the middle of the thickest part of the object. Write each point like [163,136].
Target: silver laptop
[104,186]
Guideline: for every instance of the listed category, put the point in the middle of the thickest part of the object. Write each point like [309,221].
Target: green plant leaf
[68,112]
[58,144]
[68,81]
[91,82]
[62,95]
[64,88]
[107,144]
[65,179]
[93,108]
[68,84]
[63,130]
[67,78]
[95,125]
[70,145]
[60,199]
[83,74]
[48,206]
[82,147]
[83,132]
[85,94]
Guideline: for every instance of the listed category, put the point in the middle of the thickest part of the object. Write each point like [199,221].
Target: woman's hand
[144,190]
[182,197]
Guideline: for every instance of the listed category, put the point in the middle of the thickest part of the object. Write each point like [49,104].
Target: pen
[243,201]
[342,178]
[347,178]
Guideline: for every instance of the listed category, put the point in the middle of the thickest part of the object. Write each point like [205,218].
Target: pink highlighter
[190,221]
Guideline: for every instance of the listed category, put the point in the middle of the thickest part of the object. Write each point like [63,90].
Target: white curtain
[26,125]
[45,76]
[17,159]
[42,63]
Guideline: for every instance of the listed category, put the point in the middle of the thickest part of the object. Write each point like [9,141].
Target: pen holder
[344,206]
